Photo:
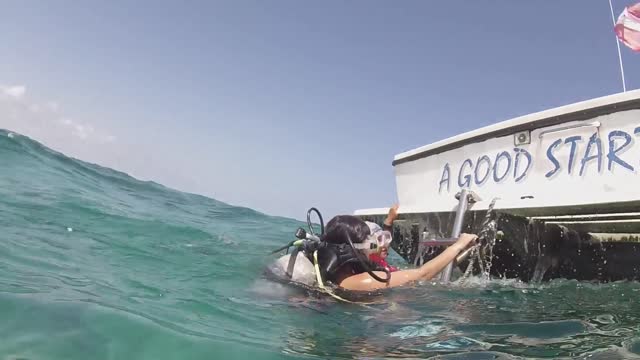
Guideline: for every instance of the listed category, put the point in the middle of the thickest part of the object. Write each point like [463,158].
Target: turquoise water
[98,265]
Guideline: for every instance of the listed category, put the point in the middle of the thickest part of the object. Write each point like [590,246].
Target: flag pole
[624,86]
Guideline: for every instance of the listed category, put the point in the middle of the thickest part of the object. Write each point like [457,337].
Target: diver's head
[362,240]
[342,226]
[366,236]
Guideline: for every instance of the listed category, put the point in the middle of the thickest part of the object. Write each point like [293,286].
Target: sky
[283,105]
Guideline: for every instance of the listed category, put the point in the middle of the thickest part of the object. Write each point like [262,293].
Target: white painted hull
[586,160]
[566,182]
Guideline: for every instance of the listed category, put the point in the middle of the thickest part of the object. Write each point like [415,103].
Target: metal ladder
[464,197]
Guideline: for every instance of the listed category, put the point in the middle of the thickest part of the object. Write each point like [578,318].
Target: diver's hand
[465,240]
[392,215]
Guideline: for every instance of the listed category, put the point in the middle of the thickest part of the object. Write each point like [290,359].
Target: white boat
[571,172]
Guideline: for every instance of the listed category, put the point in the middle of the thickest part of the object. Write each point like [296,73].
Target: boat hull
[563,184]
[528,250]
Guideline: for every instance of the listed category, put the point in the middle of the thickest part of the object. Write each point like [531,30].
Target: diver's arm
[365,282]
[391,216]
[437,264]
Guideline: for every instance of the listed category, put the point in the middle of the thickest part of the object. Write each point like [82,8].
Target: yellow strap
[317,267]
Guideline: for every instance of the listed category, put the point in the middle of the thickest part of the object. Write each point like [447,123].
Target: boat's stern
[562,185]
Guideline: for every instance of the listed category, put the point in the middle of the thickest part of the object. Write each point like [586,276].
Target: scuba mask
[376,241]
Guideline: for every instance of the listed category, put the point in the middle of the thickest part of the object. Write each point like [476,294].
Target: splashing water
[481,254]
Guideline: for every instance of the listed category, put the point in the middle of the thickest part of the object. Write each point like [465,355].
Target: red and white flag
[627,27]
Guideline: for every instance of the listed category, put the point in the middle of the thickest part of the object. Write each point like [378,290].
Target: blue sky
[283,105]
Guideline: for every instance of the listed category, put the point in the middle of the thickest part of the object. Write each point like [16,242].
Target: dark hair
[342,226]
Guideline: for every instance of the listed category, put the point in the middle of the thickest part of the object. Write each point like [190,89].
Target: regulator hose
[309,221]
[293,243]
[364,262]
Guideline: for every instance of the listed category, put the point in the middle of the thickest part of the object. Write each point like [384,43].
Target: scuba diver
[341,256]
[342,268]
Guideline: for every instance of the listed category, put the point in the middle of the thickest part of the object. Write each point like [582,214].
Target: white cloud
[83,131]
[65,121]
[16,91]
[53,106]
[44,122]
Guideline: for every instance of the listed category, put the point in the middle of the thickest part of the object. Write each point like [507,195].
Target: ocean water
[95,264]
